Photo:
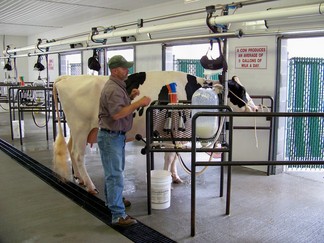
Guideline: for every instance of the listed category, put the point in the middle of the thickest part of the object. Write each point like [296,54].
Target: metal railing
[224,111]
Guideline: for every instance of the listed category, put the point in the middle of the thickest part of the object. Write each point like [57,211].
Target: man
[115,119]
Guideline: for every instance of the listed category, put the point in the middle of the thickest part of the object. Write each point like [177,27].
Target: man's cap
[119,61]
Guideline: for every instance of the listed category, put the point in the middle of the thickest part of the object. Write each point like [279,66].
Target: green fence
[191,66]
[305,136]
[131,70]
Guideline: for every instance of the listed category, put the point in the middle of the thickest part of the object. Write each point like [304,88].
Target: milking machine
[171,125]
[183,127]
[34,97]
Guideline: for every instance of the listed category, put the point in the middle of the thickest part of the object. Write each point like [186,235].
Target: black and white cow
[79,97]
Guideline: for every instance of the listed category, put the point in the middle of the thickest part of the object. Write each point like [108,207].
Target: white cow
[79,97]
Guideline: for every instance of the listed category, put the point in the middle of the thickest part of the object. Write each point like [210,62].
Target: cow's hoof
[78,181]
[176,180]
[93,192]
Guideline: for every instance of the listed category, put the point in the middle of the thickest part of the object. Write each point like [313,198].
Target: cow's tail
[60,150]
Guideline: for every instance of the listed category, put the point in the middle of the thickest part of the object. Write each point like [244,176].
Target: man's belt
[113,132]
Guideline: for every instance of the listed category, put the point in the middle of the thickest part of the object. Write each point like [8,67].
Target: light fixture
[311,22]
[307,22]
[254,25]
[76,45]
[190,1]
[128,38]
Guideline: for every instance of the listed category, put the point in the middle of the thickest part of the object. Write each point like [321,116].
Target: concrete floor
[31,211]
[283,208]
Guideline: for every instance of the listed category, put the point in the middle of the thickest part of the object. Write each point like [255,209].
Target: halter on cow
[79,97]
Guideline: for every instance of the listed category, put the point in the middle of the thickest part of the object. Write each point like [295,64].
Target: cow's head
[238,95]
[134,81]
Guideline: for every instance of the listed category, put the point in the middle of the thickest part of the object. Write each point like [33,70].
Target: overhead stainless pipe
[299,11]
[235,34]
[174,15]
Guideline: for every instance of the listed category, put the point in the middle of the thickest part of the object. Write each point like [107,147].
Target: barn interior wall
[149,57]
[53,71]
[14,41]
[258,82]
[22,63]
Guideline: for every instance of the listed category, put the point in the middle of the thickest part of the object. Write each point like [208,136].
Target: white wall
[148,58]
[257,82]
[14,41]
[21,63]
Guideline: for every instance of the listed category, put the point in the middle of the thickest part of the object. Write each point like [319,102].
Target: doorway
[301,90]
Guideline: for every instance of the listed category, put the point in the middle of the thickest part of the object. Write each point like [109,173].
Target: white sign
[251,57]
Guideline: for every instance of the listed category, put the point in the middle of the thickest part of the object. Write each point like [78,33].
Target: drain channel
[137,233]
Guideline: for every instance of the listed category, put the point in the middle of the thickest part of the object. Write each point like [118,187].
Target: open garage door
[304,92]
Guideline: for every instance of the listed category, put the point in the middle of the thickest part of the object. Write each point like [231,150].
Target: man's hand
[134,93]
[145,101]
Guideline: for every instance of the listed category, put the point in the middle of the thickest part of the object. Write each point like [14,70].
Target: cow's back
[155,80]
[79,96]
[152,86]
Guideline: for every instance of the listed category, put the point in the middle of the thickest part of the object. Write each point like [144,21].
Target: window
[70,64]
[101,59]
[186,58]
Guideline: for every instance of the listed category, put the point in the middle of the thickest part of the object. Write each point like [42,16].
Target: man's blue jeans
[112,152]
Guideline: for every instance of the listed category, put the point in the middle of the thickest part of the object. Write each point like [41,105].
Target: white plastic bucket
[15,129]
[160,189]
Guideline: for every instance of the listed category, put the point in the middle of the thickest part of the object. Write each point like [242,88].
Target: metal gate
[305,136]
[191,66]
